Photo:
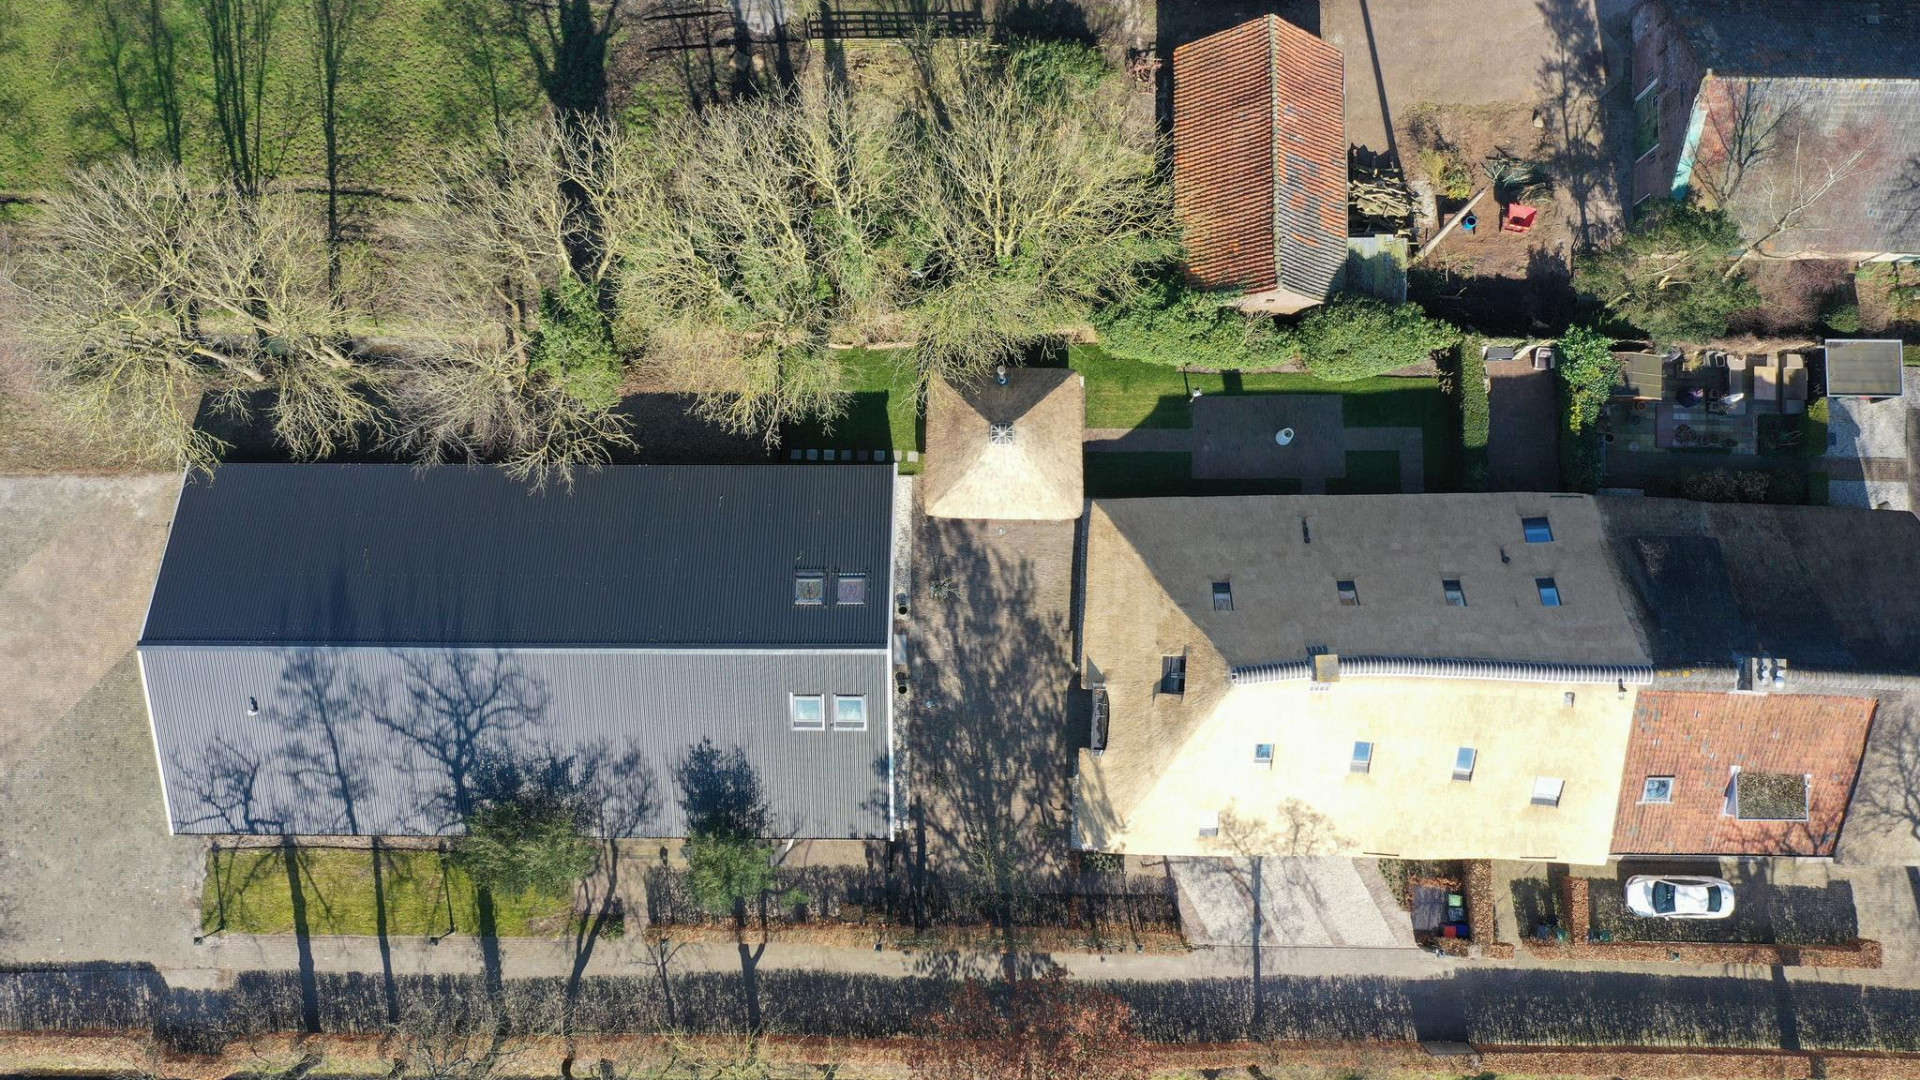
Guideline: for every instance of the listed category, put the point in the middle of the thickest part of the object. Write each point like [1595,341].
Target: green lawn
[418,79]
[1130,394]
[883,413]
[1369,472]
[248,892]
[1150,474]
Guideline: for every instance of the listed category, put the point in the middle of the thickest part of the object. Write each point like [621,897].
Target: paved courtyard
[1234,438]
[1869,448]
[1305,901]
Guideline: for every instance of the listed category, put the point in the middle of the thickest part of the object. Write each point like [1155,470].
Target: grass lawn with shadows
[1131,394]
[247,892]
[1152,474]
[1369,472]
[883,412]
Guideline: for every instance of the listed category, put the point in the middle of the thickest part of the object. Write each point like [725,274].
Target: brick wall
[1661,56]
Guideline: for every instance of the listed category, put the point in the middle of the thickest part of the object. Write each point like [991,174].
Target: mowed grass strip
[883,410]
[420,894]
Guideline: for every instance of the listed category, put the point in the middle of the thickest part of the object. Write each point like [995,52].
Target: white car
[1679,897]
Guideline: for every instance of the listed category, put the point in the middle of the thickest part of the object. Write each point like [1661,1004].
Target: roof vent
[1000,434]
[1000,374]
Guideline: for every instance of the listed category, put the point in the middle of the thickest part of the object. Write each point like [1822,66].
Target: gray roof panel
[689,555]
[245,734]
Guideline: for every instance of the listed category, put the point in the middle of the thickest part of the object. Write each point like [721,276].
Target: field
[418,79]
[417,894]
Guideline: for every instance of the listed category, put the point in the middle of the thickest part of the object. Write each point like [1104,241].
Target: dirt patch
[1499,281]
[1795,296]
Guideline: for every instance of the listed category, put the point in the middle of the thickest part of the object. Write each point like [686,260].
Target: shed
[1260,163]
[1642,376]
[1007,450]
[1858,368]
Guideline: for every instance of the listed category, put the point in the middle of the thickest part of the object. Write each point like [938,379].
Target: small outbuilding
[1006,447]
[1863,368]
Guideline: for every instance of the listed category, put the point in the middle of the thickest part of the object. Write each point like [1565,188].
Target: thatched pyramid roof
[1006,452]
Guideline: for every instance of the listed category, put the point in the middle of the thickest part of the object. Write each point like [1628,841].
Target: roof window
[1657,789]
[1362,758]
[849,712]
[1538,530]
[1456,596]
[808,711]
[1549,592]
[1463,762]
[1263,753]
[1349,595]
[809,589]
[1547,790]
[1223,596]
[850,589]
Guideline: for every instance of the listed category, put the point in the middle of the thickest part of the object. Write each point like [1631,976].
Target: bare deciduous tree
[335,30]
[143,290]
[764,240]
[1027,207]
[502,258]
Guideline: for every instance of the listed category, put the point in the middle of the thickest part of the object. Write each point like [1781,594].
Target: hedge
[1476,418]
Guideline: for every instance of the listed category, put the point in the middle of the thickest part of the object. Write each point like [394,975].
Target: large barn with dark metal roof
[331,648]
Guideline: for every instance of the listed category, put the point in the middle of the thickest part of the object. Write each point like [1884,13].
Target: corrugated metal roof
[1260,158]
[1864,368]
[399,715]
[685,555]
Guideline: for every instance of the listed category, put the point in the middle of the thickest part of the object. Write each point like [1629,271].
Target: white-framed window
[849,712]
[1263,753]
[1463,762]
[1362,758]
[1657,789]
[1547,790]
[809,711]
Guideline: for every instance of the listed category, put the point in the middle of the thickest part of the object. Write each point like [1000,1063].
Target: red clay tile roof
[1260,158]
[1698,738]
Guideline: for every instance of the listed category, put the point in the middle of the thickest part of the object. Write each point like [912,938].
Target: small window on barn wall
[1646,120]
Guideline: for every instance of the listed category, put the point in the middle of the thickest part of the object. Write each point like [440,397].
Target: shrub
[1587,370]
[528,830]
[575,345]
[1450,176]
[1168,322]
[1476,419]
[1356,337]
[1841,317]
[1055,70]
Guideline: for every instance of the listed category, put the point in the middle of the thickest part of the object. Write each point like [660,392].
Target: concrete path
[1305,901]
[1523,443]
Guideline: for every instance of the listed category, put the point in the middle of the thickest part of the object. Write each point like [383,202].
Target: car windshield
[1713,898]
[1662,897]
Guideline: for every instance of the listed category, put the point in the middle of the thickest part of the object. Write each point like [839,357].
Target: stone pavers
[1234,437]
